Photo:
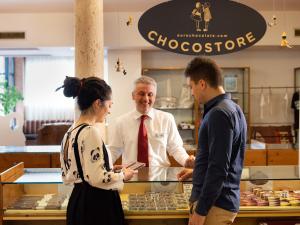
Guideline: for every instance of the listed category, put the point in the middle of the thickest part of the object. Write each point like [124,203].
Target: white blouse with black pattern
[92,160]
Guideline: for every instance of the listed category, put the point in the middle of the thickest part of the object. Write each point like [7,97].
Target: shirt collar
[214,101]
[150,114]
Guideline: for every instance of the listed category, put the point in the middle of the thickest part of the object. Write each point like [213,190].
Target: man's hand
[190,162]
[185,174]
[196,219]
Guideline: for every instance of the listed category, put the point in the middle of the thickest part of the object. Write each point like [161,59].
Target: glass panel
[39,176]
[271,173]
[156,174]
[165,174]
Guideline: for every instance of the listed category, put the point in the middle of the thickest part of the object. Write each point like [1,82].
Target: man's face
[144,97]
[198,89]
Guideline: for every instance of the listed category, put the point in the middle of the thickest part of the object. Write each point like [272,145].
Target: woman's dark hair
[201,68]
[87,90]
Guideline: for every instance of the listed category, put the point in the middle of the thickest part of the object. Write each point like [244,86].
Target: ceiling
[36,6]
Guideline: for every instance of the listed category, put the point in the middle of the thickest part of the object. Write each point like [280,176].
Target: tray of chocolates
[260,197]
[156,201]
[40,202]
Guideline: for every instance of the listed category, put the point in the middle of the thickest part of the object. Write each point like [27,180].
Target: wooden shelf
[245,212]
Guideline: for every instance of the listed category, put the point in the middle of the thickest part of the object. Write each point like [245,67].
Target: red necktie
[143,142]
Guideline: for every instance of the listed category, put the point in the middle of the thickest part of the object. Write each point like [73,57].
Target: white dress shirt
[163,137]
[91,158]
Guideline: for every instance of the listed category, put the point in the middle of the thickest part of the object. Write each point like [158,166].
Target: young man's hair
[201,68]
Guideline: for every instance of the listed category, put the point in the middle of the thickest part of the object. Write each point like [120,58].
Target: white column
[89,38]
[89,54]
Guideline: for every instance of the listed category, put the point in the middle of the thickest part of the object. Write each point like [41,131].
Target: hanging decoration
[284,41]
[273,22]
[120,68]
[129,21]
[274,18]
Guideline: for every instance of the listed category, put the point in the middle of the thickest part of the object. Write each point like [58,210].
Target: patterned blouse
[92,160]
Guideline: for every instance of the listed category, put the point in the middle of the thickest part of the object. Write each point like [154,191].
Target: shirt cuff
[183,159]
[202,207]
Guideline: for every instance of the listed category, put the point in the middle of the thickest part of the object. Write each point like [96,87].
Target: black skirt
[91,206]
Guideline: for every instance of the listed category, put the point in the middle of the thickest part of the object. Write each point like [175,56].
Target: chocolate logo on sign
[202,27]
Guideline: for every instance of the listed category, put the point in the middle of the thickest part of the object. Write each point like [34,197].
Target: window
[42,76]
[2,69]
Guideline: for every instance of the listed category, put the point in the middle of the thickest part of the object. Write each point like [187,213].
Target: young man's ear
[202,84]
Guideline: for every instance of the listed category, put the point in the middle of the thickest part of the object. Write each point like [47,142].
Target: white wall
[286,21]
[42,30]
[122,85]
[268,68]
[57,29]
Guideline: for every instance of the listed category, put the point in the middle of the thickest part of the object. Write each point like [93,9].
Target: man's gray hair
[145,80]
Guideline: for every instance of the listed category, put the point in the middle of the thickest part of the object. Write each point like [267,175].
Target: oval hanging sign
[202,27]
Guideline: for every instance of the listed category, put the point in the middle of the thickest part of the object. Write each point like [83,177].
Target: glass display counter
[153,193]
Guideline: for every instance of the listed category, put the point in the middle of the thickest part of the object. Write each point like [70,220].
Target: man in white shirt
[161,131]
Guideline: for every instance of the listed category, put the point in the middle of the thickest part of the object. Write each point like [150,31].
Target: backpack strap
[76,152]
[105,156]
[77,157]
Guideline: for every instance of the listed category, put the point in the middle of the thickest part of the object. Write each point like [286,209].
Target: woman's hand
[128,173]
[117,168]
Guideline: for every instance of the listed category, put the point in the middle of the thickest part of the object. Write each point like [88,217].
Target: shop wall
[122,85]
[273,67]
[42,30]
[57,29]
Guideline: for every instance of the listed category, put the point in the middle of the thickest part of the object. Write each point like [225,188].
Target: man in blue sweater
[222,141]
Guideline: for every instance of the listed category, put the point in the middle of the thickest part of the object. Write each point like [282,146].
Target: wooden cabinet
[271,157]
[55,160]
[255,158]
[31,160]
[43,156]
[282,157]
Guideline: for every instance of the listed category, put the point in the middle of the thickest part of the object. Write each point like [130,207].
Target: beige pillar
[89,56]
[89,38]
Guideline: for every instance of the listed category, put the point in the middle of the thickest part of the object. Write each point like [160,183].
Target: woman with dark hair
[85,161]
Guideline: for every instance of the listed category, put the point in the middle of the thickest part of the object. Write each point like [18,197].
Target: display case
[236,81]
[174,96]
[153,193]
